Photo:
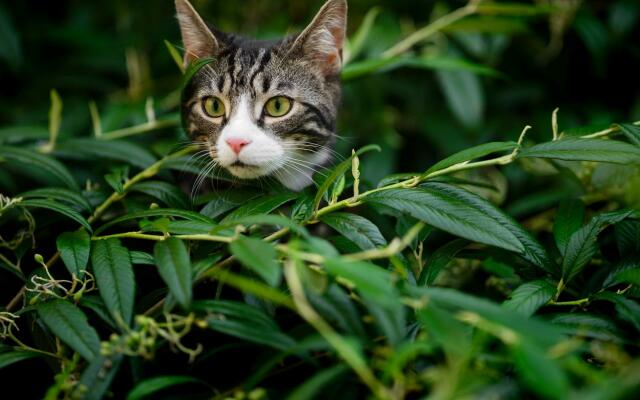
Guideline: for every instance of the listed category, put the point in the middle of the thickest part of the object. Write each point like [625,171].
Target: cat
[265,108]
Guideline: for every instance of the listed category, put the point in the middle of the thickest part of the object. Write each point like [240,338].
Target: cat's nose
[237,144]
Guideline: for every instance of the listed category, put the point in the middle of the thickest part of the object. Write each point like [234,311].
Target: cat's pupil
[277,105]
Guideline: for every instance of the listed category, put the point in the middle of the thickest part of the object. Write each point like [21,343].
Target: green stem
[25,347]
[138,129]
[606,132]
[569,303]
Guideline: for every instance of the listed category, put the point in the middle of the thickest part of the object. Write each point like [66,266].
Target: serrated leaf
[530,296]
[569,219]
[472,154]
[59,208]
[60,195]
[10,357]
[90,149]
[43,162]
[227,201]
[70,324]
[174,266]
[259,256]
[263,205]
[156,212]
[583,246]
[439,260]
[244,322]
[627,234]
[149,387]
[580,149]
[628,309]
[632,132]
[74,248]
[338,171]
[114,277]
[169,194]
[358,229]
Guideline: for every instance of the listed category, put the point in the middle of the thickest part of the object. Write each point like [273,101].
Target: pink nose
[237,144]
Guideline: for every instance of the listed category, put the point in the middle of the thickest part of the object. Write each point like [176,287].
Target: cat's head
[265,108]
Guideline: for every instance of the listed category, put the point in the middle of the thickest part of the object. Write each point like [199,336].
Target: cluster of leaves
[412,285]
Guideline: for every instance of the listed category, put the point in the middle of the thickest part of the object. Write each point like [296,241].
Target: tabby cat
[265,108]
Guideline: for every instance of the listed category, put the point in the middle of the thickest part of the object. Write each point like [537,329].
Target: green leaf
[448,208]
[74,248]
[583,245]
[265,219]
[338,171]
[358,229]
[151,386]
[259,256]
[227,201]
[627,234]
[464,95]
[174,266]
[244,322]
[628,309]
[69,323]
[439,260]
[169,194]
[90,149]
[114,277]
[193,68]
[156,212]
[117,178]
[42,162]
[175,55]
[10,357]
[97,377]
[360,37]
[262,205]
[569,219]
[67,196]
[580,149]
[542,374]
[59,208]
[451,334]
[530,296]
[370,280]
[472,154]
[312,387]
[141,258]
[632,132]
[18,134]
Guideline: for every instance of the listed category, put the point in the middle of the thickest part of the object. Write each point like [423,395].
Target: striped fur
[245,74]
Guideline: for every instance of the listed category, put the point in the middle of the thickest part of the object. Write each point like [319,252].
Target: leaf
[90,149]
[74,248]
[312,387]
[530,296]
[464,95]
[10,357]
[262,205]
[175,55]
[69,323]
[359,38]
[141,258]
[632,132]
[174,266]
[59,208]
[259,256]
[627,234]
[451,334]
[472,154]
[539,372]
[18,134]
[97,377]
[117,178]
[67,196]
[439,260]
[169,194]
[114,277]
[582,245]
[628,309]
[447,208]
[227,201]
[569,219]
[338,171]
[244,322]
[265,219]
[149,387]
[370,280]
[193,68]
[10,48]
[42,162]
[156,212]
[358,229]
[581,149]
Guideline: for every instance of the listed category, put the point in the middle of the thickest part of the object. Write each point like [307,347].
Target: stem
[606,132]
[32,349]
[439,24]
[9,263]
[138,129]
[569,303]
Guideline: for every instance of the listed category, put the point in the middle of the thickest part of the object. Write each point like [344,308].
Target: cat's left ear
[322,41]
[197,38]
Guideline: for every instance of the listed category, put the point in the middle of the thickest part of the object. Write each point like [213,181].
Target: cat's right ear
[197,38]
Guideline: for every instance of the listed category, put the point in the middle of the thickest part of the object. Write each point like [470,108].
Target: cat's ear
[197,38]
[322,41]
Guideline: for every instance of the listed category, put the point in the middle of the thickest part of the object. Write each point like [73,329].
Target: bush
[441,282]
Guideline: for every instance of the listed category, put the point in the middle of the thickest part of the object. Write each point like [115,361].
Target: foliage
[509,269]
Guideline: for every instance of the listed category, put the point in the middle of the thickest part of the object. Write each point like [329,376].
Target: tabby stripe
[264,60]
[319,115]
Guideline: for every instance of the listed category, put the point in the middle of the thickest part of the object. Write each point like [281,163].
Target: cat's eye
[278,106]
[213,107]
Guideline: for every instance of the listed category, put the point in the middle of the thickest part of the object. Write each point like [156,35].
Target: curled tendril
[7,324]
[48,286]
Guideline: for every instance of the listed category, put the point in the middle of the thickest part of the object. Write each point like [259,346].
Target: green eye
[278,106]
[213,107]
